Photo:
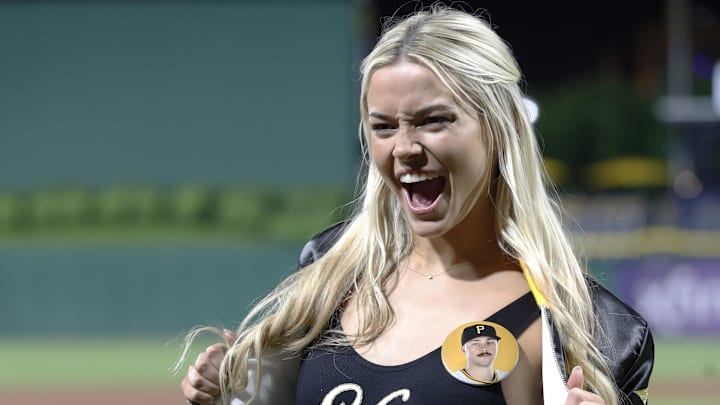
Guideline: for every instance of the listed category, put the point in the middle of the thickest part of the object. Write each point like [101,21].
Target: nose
[407,146]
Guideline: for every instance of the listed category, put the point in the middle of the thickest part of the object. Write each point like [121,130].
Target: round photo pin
[480,353]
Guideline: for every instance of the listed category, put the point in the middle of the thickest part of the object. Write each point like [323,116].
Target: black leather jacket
[622,336]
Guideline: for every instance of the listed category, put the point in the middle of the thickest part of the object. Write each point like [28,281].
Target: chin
[433,225]
[428,229]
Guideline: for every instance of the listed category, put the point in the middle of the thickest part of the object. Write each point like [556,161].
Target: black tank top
[334,376]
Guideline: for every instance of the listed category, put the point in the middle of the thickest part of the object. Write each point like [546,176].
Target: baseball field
[136,370]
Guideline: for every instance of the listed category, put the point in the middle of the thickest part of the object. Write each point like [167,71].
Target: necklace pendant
[430,277]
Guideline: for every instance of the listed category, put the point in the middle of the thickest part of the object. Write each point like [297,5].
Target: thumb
[229,336]
[576,379]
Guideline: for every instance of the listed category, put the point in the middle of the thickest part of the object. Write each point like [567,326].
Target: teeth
[416,178]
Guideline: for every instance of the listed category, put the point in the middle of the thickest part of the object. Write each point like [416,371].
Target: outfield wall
[135,289]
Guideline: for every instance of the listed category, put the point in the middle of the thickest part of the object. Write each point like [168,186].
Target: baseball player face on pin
[481,351]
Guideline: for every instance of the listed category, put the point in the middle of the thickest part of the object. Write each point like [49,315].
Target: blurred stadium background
[162,163]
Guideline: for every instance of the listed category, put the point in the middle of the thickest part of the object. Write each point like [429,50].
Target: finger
[201,383]
[576,379]
[194,394]
[576,393]
[230,336]
[198,397]
[208,362]
[216,352]
[218,349]
[578,396]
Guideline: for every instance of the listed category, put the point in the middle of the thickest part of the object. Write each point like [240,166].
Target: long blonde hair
[480,70]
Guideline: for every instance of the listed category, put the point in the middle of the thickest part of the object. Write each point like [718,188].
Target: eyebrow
[421,112]
[477,339]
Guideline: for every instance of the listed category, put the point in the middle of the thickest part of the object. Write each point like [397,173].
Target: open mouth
[422,190]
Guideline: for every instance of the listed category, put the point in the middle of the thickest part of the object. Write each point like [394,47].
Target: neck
[474,257]
[473,242]
[485,374]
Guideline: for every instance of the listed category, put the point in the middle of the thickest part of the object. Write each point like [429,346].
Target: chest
[342,376]
[426,313]
[346,375]
[334,375]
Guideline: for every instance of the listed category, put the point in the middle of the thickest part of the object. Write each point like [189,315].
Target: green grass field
[687,359]
[83,362]
[139,362]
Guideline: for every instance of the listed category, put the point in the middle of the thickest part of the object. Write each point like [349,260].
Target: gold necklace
[432,276]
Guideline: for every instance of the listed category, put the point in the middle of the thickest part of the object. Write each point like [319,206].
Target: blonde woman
[455,226]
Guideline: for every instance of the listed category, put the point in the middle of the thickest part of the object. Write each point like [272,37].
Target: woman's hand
[201,384]
[578,396]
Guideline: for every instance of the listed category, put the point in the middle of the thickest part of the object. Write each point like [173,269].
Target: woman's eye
[382,128]
[437,120]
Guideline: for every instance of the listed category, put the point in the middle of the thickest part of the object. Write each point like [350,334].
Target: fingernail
[578,369]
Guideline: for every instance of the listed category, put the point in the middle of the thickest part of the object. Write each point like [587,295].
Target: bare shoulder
[524,385]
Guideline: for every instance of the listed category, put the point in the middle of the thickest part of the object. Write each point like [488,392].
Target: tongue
[424,193]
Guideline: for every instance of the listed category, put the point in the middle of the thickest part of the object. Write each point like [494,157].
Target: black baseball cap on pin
[477,330]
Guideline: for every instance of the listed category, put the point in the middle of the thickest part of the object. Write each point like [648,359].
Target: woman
[455,227]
